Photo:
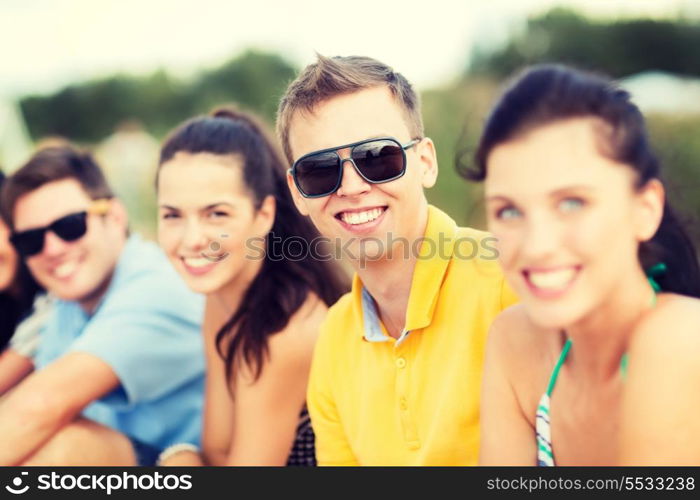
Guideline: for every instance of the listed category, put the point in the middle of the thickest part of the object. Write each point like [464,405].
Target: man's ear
[427,156]
[117,213]
[299,200]
[265,216]
[650,209]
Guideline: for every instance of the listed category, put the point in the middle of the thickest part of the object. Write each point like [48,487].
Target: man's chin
[364,253]
[76,291]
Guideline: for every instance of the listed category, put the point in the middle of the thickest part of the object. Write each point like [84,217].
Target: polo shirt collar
[431,266]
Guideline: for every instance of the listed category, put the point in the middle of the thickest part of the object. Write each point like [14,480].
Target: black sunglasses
[380,160]
[69,228]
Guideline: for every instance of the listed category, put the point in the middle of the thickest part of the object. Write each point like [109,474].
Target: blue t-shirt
[147,329]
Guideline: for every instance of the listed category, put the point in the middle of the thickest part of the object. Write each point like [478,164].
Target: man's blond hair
[333,76]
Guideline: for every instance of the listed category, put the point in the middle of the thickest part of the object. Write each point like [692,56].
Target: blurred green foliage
[89,112]
[616,47]
[453,118]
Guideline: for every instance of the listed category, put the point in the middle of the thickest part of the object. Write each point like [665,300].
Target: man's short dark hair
[333,76]
[50,165]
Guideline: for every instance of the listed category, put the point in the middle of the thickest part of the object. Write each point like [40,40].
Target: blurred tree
[616,47]
[255,80]
[90,111]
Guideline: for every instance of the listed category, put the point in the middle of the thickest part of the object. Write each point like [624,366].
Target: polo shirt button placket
[408,424]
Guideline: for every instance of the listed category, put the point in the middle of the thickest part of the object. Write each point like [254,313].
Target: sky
[47,44]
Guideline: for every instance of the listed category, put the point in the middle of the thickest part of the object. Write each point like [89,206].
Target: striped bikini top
[545,456]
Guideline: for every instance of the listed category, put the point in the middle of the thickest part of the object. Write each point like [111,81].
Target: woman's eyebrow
[568,189]
[214,205]
[203,209]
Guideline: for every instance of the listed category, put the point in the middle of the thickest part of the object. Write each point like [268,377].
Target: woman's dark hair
[282,285]
[16,303]
[544,94]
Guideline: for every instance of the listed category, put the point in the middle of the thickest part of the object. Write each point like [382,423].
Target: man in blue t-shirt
[120,365]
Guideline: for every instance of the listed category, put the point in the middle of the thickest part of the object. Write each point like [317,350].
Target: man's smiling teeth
[354,218]
[65,269]
[197,261]
[552,280]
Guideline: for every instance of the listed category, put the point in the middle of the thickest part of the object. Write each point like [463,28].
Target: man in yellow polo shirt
[396,374]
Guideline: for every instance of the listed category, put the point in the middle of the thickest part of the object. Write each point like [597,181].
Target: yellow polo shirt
[375,400]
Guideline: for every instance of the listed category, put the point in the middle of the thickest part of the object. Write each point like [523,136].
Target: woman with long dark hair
[18,292]
[229,226]
[599,362]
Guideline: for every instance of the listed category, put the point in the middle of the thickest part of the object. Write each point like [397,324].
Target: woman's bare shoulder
[660,404]
[525,352]
[670,328]
[302,329]
[290,350]
[516,336]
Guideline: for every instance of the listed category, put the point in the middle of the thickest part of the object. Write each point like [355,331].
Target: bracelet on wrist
[174,449]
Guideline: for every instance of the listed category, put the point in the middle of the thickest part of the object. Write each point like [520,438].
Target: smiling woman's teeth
[65,269]
[197,262]
[552,280]
[361,217]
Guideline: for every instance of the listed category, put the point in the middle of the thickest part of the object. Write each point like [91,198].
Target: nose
[193,237]
[352,183]
[542,238]
[53,245]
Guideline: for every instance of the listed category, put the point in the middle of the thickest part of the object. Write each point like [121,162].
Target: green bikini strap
[656,271]
[652,273]
[557,367]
